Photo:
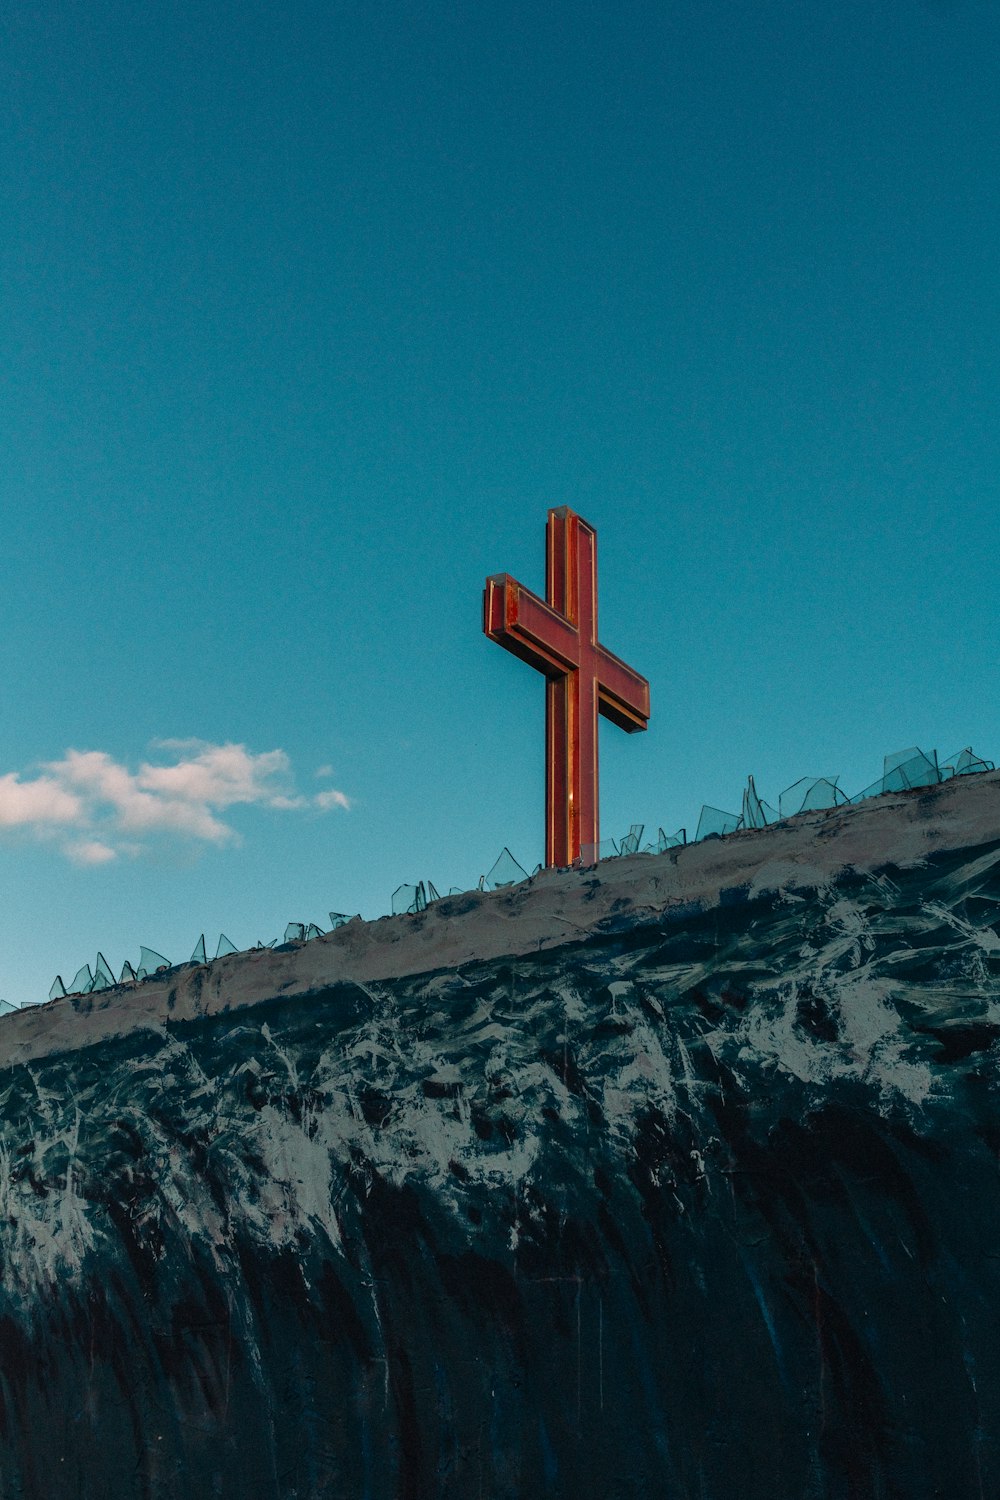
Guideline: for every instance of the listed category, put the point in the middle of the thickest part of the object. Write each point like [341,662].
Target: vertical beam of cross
[558,636]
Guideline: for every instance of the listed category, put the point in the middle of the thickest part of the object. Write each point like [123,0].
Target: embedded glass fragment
[875,790]
[127,975]
[337,919]
[966,763]
[432,892]
[590,854]
[811,794]
[103,977]
[294,932]
[505,871]
[102,971]
[312,931]
[714,821]
[910,768]
[82,981]
[199,956]
[224,946]
[671,840]
[403,898]
[57,989]
[6,1006]
[630,843]
[756,814]
[408,899]
[150,962]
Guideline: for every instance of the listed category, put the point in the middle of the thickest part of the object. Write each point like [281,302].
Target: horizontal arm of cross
[622,695]
[528,627]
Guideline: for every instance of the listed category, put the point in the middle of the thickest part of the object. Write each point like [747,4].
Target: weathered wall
[700,1200]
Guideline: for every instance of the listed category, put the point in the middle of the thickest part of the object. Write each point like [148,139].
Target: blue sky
[309,313]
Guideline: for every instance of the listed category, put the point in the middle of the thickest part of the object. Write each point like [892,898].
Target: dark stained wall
[706,1207]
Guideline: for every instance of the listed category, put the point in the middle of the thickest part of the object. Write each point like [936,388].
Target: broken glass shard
[404,900]
[505,871]
[103,977]
[966,763]
[875,790]
[82,981]
[713,821]
[910,768]
[6,1006]
[630,843]
[150,962]
[58,989]
[337,919]
[127,975]
[811,794]
[313,931]
[432,892]
[294,932]
[199,956]
[102,973]
[409,899]
[224,946]
[756,814]
[590,854]
[671,840]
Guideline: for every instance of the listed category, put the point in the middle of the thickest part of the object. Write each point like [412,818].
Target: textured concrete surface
[674,1178]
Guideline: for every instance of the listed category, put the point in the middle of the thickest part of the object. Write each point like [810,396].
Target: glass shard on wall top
[150,962]
[405,900]
[504,871]
[82,981]
[103,977]
[713,821]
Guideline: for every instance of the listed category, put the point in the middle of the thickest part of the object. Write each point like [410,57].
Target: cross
[558,635]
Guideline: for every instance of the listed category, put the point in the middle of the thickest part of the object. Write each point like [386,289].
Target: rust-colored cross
[558,635]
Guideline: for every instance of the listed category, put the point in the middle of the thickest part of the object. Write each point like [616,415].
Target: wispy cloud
[326,800]
[99,808]
[89,852]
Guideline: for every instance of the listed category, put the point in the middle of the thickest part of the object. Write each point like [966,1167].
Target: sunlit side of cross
[558,636]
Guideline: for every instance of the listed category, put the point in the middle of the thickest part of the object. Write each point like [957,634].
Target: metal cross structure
[558,636]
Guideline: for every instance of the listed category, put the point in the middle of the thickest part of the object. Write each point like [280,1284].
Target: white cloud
[89,852]
[218,775]
[326,800]
[185,796]
[42,801]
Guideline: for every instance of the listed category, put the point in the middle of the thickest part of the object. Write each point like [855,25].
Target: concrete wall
[678,1178]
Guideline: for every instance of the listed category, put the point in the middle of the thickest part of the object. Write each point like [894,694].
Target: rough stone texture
[678,1178]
